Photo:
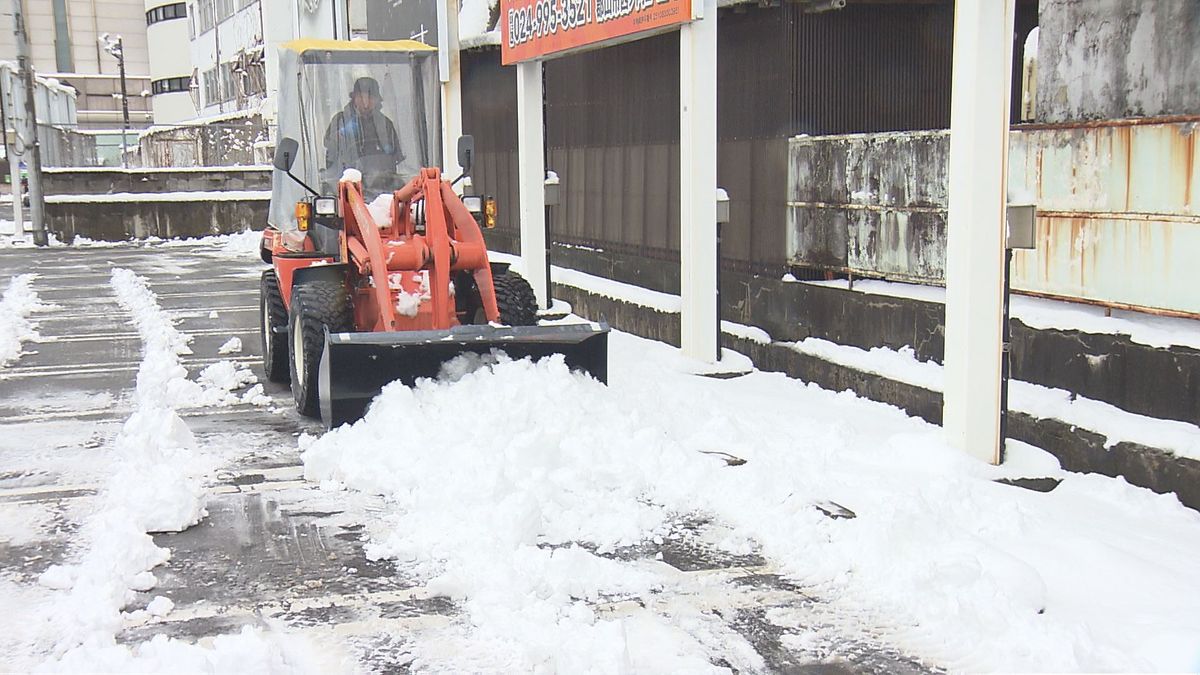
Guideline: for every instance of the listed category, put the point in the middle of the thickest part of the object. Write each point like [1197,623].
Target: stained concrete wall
[189,211]
[99,181]
[1109,59]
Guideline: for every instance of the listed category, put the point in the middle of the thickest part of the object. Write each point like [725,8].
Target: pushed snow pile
[512,481]
[239,245]
[482,498]
[18,302]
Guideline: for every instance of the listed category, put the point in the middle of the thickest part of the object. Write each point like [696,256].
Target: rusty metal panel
[1118,212]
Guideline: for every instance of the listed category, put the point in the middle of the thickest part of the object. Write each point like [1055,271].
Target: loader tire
[272,314]
[315,306]
[515,299]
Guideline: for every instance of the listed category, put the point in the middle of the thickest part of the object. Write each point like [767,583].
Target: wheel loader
[380,273]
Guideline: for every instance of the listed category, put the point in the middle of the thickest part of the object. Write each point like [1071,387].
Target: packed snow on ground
[511,509]
[17,303]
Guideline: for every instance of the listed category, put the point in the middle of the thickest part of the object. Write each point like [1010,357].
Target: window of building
[176,10]
[209,83]
[207,16]
[225,9]
[170,85]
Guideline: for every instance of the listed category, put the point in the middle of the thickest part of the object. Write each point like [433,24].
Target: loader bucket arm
[366,250]
[467,231]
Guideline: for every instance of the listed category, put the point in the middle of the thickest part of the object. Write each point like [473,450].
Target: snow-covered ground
[543,507]
[513,509]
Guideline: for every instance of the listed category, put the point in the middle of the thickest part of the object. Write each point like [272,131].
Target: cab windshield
[373,111]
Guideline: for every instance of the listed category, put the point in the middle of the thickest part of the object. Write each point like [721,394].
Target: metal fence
[612,119]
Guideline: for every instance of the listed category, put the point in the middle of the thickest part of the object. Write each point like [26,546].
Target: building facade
[170,63]
[232,45]
[64,37]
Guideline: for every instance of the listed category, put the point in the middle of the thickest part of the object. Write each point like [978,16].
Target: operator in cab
[361,137]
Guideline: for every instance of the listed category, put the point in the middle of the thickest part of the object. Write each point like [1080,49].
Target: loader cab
[370,106]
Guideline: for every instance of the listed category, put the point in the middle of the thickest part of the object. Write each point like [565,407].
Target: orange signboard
[530,29]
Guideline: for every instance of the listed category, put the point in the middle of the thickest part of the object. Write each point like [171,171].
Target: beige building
[64,44]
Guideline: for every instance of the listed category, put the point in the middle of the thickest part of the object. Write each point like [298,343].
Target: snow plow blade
[355,366]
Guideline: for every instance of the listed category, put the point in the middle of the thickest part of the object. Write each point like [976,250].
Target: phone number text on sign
[546,17]
[535,28]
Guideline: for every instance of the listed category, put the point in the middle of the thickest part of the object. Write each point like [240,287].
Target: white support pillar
[979,120]
[698,182]
[450,71]
[531,176]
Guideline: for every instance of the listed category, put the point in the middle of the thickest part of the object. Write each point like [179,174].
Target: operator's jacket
[368,143]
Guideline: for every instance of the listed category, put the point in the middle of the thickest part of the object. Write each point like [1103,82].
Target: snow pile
[250,651]
[162,376]
[232,346]
[473,24]
[238,245]
[480,506]
[380,209]
[513,511]
[18,302]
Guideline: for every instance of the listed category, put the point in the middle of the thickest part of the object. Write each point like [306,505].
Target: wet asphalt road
[273,550]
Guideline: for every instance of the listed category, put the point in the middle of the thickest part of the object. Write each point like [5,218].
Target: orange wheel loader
[353,300]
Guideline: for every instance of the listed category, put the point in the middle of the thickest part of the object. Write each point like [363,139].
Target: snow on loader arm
[370,303]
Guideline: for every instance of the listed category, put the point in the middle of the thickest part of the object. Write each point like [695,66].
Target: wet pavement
[275,551]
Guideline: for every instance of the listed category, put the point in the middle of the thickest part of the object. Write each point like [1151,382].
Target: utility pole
[33,149]
[124,100]
[116,49]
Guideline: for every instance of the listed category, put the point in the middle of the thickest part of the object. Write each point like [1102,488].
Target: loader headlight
[325,206]
[473,204]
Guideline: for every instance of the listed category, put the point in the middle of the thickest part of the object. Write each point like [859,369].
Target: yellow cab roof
[305,44]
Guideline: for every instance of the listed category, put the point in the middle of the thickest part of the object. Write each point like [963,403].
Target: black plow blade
[356,366]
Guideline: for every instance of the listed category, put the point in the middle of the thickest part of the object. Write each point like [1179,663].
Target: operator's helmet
[366,85]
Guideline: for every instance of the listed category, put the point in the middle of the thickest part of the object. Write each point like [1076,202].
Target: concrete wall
[108,181]
[1109,59]
[80,202]
[113,221]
